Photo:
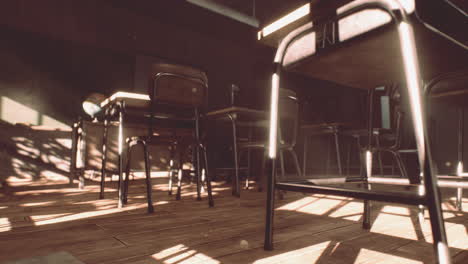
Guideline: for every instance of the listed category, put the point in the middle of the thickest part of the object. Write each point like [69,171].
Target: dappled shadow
[28,151]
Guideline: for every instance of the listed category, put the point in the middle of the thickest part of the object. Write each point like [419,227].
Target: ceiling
[266,11]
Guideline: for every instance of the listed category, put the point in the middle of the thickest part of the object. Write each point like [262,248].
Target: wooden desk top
[131,99]
[372,59]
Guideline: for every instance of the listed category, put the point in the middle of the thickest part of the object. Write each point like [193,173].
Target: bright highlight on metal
[460,168]
[413,81]
[369,163]
[125,95]
[273,115]
[286,20]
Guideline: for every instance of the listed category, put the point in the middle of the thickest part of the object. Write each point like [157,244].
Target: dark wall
[54,53]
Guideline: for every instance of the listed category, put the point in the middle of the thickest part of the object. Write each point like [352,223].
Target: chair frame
[431,198]
[118,109]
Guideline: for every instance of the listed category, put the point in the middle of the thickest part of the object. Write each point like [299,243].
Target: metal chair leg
[171,168]
[283,176]
[296,163]
[104,157]
[249,170]
[127,172]
[270,207]
[366,222]
[338,154]
[208,179]
[459,202]
[179,175]
[400,164]
[149,186]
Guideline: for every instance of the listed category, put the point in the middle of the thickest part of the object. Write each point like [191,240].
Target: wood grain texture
[45,216]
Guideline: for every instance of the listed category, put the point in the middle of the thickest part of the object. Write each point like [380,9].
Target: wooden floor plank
[49,216]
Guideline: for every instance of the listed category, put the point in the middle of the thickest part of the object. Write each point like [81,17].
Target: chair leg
[459,202]
[104,158]
[280,193]
[296,163]
[249,171]
[127,172]
[179,175]
[338,154]
[149,186]
[283,176]
[196,151]
[366,223]
[270,207]
[171,168]
[208,179]
[379,156]
[400,164]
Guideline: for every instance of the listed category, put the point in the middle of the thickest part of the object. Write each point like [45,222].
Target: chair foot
[150,209]
[366,226]
[268,247]
[211,203]
[199,198]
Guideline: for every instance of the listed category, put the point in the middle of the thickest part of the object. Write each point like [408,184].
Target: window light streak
[286,20]
[273,115]
[125,95]
[408,50]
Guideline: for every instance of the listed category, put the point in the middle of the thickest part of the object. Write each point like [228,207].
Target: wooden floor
[46,216]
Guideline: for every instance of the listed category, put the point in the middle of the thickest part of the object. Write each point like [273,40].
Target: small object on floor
[61,257]
[244,244]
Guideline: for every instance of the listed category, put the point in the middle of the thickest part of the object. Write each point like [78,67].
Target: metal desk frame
[431,197]
[233,113]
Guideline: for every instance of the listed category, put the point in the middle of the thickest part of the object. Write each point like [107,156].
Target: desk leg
[104,155]
[74,157]
[198,173]
[235,182]
[338,153]
[249,170]
[120,186]
[304,155]
[460,156]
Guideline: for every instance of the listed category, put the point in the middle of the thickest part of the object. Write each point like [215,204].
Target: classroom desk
[238,116]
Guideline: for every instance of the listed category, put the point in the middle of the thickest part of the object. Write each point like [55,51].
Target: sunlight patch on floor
[327,205]
[5,224]
[395,221]
[348,211]
[380,257]
[288,256]
[182,254]
[73,217]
